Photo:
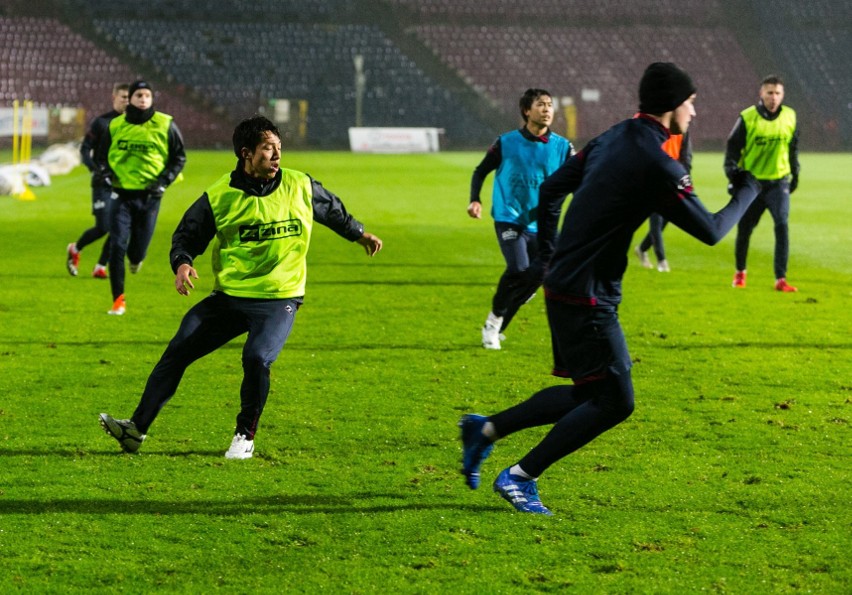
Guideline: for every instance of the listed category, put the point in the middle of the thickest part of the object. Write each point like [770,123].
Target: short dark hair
[250,131]
[772,79]
[527,99]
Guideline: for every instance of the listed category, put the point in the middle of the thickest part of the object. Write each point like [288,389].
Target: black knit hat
[663,87]
[135,86]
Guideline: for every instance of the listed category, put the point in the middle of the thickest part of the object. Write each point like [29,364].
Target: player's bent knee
[256,365]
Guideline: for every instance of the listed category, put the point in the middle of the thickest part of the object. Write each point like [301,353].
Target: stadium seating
[48,63]
[436,63]
[606,12]
[241,66]
[812,42]
[609,60]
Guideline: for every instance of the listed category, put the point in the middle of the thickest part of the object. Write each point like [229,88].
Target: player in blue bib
[523,158]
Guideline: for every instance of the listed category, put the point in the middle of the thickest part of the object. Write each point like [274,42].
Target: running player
[617,180]
[102,193]
[145,155]
[523,158]
[259,218]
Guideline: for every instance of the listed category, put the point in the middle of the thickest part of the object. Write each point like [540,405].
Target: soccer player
[102,193]
[145,154]
[765,142]
[522,158]
[678,147]
[618,180]
[259,217]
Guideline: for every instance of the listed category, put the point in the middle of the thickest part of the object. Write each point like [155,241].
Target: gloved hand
[156,190]
[742,178]
[101,177]
[794,183]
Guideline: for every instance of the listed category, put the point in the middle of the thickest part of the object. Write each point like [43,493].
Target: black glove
[101,177]
[794,183]
[742,178]
[156,190]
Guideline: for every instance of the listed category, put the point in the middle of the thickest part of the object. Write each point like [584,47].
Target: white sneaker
[663,266]
[241,448]
[491,336]
[134,268]
[643,258]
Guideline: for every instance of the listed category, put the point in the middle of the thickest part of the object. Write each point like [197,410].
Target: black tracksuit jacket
[618,180]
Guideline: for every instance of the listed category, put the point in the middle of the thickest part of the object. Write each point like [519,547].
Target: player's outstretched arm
[371,243]
[692,217]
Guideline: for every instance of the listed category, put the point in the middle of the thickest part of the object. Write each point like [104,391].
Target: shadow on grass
[293,504]
[76,454]
[398,283]
[757,345]
[238,344]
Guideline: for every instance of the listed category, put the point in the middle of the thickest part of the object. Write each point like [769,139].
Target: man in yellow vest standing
[259,218]
[764,141]
[145,154]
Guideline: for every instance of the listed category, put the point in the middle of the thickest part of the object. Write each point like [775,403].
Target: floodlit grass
[731,476]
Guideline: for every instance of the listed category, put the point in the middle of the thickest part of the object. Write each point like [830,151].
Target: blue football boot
[475,447]
[520,492]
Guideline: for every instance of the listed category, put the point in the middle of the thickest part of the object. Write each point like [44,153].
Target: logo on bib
[276,230]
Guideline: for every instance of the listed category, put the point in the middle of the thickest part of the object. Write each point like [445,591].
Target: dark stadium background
[458,65]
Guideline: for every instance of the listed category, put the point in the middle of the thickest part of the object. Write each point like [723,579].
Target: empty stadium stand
[601,64]
[455,64]
[812,44]
[48,63]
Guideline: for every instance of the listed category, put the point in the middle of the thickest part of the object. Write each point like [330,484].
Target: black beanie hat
[139,85]
[663,87]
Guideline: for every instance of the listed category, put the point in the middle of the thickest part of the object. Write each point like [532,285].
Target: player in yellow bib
[765,142]
[144,155]
[259,219]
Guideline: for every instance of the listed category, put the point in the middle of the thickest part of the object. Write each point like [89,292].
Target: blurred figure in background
[523,158]
[145,154]
[765,142]
[102,192]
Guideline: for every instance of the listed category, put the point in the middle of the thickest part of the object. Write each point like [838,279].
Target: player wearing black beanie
[144,155]
[618,180]
[663,87]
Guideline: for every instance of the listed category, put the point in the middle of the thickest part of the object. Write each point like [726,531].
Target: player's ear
[245,153]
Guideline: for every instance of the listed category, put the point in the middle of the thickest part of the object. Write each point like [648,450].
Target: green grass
[732,476]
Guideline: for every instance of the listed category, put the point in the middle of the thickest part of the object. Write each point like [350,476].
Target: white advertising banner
[394,140]
[39,124]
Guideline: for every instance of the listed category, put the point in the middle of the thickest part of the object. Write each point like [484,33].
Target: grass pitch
[731,476]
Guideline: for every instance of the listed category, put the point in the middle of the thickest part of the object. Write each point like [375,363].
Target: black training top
[618,180]
[94,135]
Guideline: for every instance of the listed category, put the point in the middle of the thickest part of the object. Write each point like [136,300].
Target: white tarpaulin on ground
[394,140]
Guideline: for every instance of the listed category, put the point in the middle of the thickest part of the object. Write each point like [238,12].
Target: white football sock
[516,470]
